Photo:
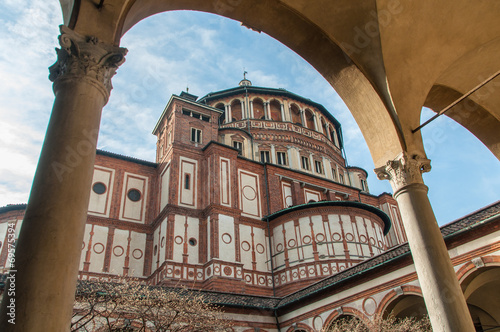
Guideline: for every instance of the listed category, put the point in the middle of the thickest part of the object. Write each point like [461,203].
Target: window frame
[197,134]
[281,161]
[267,155]
[304,161]
[318,166]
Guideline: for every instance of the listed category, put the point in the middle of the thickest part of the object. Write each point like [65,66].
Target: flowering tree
[128,305]
[380,324]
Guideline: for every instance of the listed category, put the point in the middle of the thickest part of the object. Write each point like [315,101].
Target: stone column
[443,296]
[50,242]
[252,116]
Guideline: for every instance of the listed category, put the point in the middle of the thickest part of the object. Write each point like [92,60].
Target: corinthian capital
[86,58]
[404,170]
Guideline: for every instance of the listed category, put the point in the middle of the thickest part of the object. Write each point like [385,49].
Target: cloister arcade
[386,58]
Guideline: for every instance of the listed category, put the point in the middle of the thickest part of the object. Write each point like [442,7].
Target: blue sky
[171,51]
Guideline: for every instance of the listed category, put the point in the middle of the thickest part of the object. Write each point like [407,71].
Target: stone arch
[324,127]
[222,117]
[367,97]
[236,111]
[295,114]
[481,287]
[299,327]
[309,119]
[478,113]
[258,109]
[275,110]
[405,301]
[344,312]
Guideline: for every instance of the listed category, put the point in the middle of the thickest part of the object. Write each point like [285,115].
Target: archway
[482,292]
[106,21]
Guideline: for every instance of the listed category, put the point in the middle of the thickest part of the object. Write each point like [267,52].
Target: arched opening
[222,117]
[324,126]
[258,109]
[408,305]
[236,111]
[275,108]
[295,114]
[309,117]
[482,293]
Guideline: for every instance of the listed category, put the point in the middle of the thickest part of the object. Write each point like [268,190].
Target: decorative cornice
[85,57]
[404,170]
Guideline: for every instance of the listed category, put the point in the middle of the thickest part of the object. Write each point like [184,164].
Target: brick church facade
[251,200]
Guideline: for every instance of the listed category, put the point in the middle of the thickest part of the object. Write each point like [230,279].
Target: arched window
[258,109]
[294,110]
[222,117]
[309,115]
[236,110]
[275,107]
[324,126]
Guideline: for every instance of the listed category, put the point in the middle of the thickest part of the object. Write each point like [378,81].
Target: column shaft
[49,247]
[442,293]
[443,296]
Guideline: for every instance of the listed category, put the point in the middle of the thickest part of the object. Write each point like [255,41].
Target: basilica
[251,201]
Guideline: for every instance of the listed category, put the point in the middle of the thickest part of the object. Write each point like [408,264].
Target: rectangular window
[195,135]
[281,158]
[334,174]
[318,165]
[305,163]
[239,146]
[264,156]
[196,115]
[341,178]
[187,179]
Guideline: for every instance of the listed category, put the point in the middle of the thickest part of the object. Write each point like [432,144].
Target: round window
[99,188]
[134,195]
[192,241]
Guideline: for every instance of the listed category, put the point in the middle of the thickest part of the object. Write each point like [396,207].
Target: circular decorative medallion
[226,238]
[118,251]
[262,280]
[245,246]
[349,237]
[295,275]
[362,238]
[279,247]
[227,270]
[320,237]
[99,188]
[372,241]
[306,239]
[190,274]
[260,248]
[318,323]
[369,306]
[248,278]
[249,193]
[134,195]
[137,253]
[178,240]
[336,236]
[177,272]
[292,243]
[98,248]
